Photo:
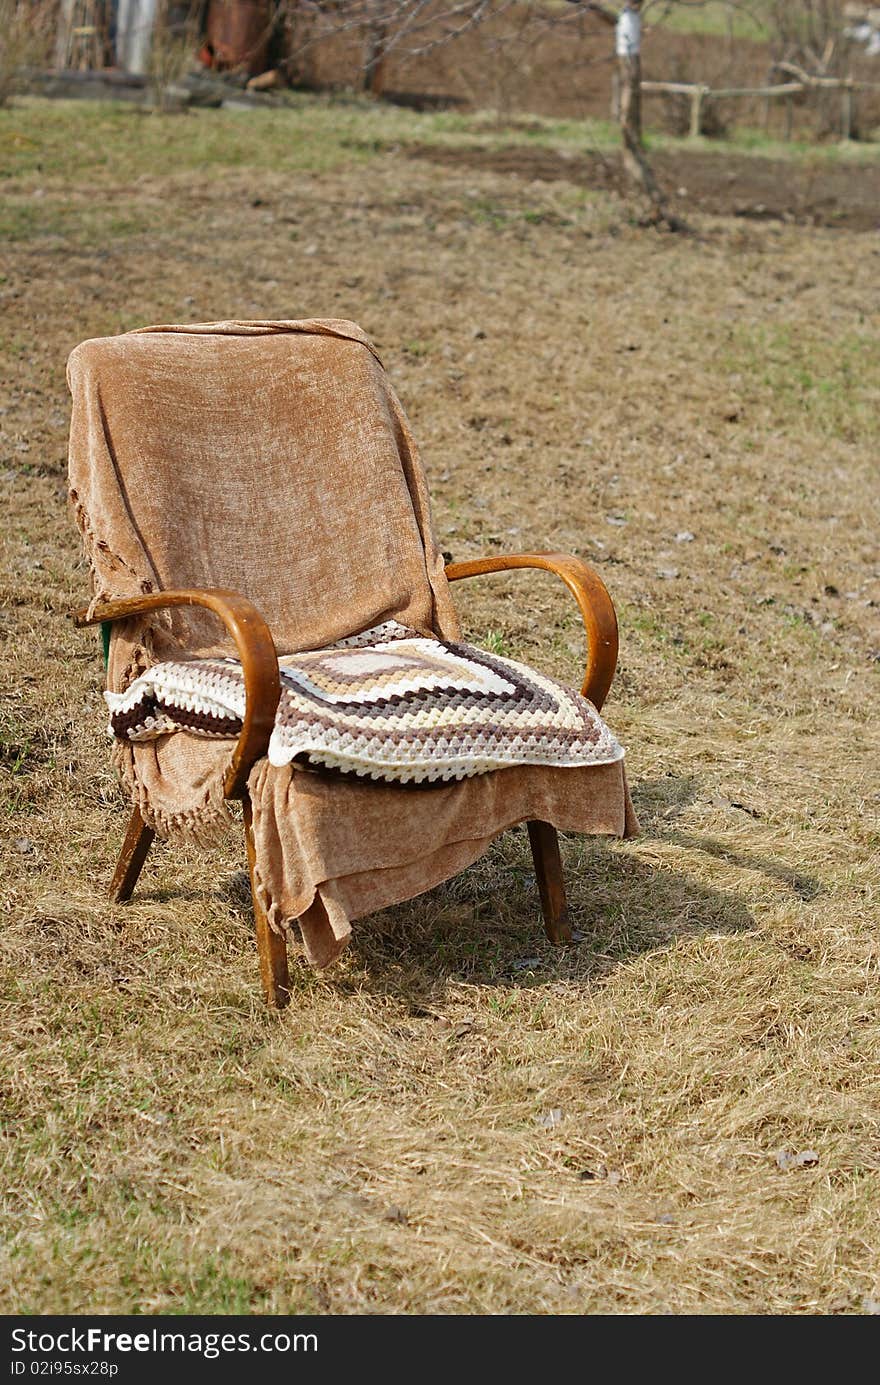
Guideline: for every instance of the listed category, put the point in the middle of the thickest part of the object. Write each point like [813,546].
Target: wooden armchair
[255,646]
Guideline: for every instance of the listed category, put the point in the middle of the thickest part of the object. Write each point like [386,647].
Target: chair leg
[138,840]
[551,886]
[270,945]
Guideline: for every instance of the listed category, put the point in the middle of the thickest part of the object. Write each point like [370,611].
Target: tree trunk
[630,109]
[375,58]
[635,161]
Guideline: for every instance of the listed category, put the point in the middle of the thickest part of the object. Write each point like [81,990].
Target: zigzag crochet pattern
[388,704]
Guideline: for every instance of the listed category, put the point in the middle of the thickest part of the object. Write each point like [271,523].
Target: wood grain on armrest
[591,595]
[256,650]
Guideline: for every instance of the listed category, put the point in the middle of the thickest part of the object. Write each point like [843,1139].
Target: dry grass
[459,1119]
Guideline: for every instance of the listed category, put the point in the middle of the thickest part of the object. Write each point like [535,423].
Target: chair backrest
[271,458]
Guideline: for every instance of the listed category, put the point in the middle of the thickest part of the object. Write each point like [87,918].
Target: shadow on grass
[659,802]
[484,926]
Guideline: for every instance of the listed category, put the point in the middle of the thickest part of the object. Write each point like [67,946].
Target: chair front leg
[271,946]
[551,885]
[138,840]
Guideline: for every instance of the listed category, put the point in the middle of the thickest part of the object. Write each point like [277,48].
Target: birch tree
[627,25]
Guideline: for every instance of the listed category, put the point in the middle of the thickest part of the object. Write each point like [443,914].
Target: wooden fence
[800,82]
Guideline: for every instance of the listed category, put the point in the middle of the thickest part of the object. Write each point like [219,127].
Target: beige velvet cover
[274,458]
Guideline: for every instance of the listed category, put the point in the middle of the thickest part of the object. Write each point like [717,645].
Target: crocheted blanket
[388,704]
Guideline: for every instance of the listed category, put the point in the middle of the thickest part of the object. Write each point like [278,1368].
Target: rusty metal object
[237,35]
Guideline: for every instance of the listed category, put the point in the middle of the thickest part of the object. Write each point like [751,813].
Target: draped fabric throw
[273,458]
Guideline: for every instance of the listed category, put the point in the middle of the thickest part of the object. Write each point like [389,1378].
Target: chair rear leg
[551,885]
[271,946]
[138,840]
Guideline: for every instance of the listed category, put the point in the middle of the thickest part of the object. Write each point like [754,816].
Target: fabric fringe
[279,922]
[95,546]
[206,823]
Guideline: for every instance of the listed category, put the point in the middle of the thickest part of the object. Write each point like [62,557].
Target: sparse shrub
[172,50]
[25,37]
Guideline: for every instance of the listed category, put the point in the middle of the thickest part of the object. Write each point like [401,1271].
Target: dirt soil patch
[829,194]
[558,61]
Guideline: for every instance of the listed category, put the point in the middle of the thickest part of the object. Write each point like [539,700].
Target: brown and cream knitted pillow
[388,704]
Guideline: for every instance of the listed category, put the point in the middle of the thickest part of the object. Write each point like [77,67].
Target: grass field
[681,1112]
[716,17]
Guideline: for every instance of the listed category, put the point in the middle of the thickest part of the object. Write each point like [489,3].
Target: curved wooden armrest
[256,650]
[591,595]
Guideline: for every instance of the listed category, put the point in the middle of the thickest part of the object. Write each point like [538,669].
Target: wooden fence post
[847,110]
[696,110]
